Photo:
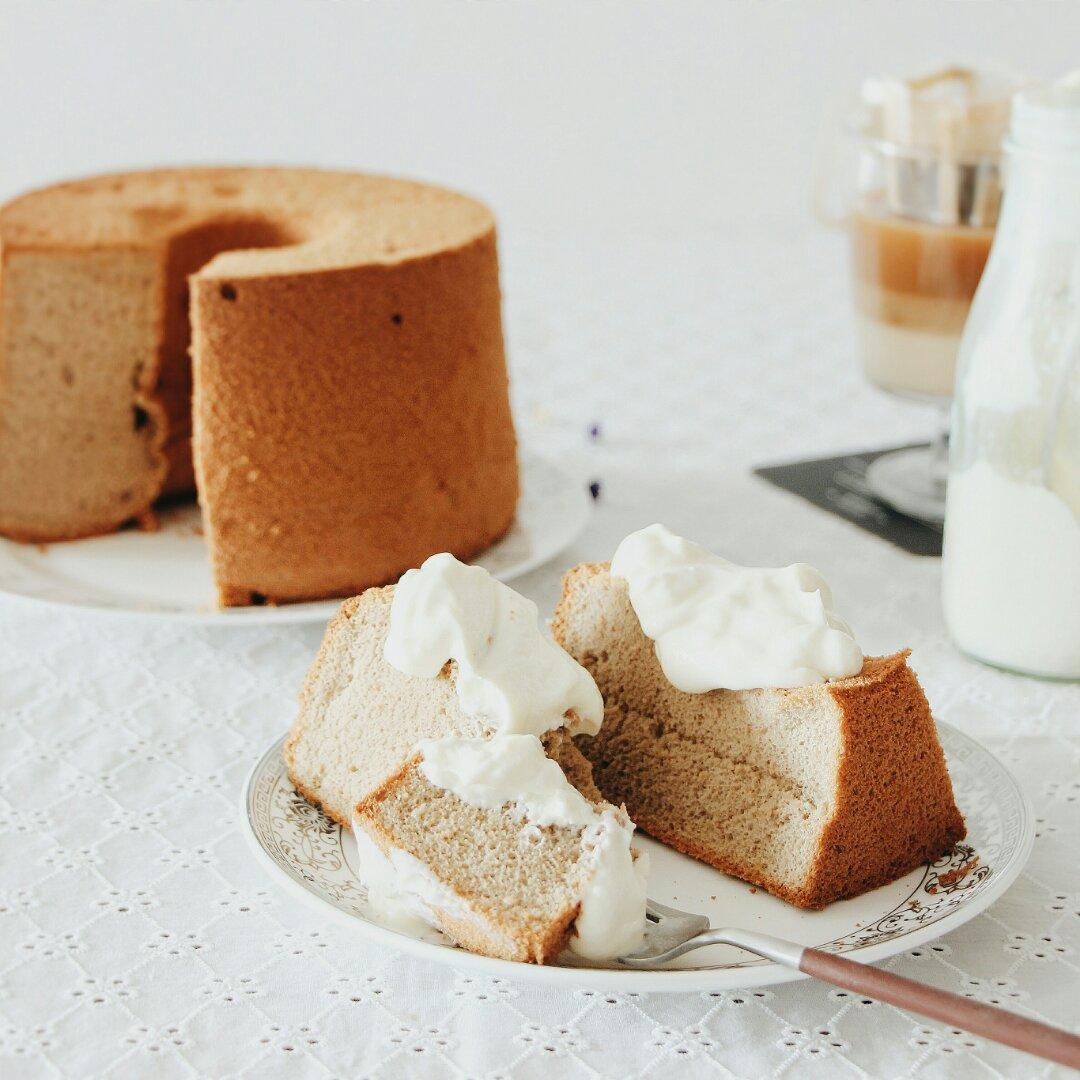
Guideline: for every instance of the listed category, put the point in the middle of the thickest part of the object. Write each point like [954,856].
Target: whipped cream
[512,771]
[510,677]
[611,921]
[403,893]
[506,770]
[718,625]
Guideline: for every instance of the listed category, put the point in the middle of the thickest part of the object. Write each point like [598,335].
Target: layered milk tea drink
[914,282]
[928,193]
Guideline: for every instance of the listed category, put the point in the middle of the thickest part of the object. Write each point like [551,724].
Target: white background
[657,116]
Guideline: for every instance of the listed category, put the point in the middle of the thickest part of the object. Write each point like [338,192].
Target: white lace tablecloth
[137,936]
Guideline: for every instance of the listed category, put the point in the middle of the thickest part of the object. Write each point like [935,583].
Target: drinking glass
[912,174]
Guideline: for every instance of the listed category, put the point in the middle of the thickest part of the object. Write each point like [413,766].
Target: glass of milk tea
[920,217]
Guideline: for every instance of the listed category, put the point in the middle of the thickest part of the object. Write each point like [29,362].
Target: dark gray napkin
[838,485]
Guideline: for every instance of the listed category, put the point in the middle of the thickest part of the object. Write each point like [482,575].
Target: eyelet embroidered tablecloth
[137,936]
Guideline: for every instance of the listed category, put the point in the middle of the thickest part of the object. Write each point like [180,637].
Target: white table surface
[138,937]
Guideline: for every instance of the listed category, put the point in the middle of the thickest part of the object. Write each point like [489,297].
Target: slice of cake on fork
[822,783]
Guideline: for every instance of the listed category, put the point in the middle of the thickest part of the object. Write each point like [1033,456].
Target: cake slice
[814,792]
[489,879]
[473,807]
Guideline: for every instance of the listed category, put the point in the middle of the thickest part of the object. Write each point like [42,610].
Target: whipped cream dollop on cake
[717,625]
[510,676]
[506,770]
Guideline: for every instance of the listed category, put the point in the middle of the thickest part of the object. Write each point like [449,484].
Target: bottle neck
[1042,193]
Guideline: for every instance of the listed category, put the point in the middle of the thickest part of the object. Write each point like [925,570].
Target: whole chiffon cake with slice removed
[319,353]
[814,793]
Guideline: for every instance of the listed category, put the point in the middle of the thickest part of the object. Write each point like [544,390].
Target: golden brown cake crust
[351,410]
[894,807]
[886,726]
[331,461]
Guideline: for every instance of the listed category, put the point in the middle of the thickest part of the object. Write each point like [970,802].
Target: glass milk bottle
[1011,566]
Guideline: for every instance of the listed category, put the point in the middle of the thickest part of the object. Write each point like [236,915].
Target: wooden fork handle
[1001,1026]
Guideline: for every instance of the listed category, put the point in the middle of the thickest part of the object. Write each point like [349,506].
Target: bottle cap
[1047,118]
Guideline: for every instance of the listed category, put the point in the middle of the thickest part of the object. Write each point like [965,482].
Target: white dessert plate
[167,573]
[314,860]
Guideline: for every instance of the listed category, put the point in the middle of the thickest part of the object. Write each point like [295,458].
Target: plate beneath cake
[167,573]
[314,860]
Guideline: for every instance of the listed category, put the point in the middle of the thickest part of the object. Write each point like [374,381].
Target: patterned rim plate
[314,859]
[167,573]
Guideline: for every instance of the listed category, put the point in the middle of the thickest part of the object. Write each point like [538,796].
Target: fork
[670,932]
